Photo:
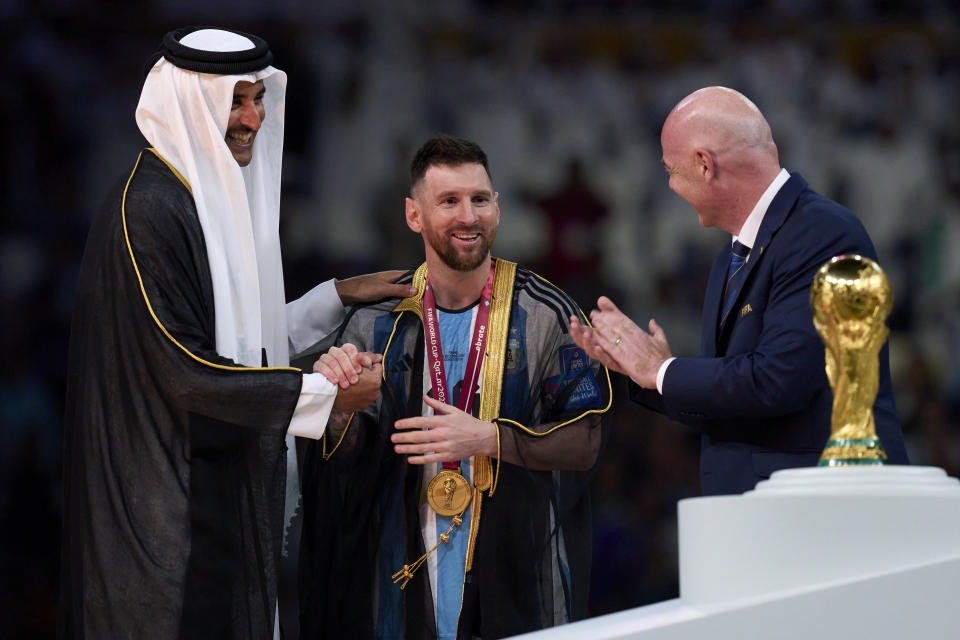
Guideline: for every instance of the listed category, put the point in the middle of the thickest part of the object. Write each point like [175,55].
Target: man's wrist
[491,440]
[342,292]
[662,372]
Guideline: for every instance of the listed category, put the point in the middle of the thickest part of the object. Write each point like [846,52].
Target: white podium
[842,552]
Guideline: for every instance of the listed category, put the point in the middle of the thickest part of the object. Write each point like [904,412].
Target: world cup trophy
[851,299]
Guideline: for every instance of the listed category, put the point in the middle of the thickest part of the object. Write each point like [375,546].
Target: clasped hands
[449,434]
[619,344]
[357,373]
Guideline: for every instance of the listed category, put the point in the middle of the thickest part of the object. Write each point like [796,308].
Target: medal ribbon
[438,374]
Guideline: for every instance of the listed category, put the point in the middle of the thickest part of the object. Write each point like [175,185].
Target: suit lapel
[776,214]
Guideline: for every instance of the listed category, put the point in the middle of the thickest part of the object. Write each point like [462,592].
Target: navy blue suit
[758,391]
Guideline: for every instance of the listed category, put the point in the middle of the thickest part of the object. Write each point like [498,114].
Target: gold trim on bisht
[415,302]
[491,385]
[143,290]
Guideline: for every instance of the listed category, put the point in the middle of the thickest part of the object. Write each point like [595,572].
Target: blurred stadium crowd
[567,97]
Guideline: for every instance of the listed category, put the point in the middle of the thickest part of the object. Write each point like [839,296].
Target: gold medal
[449,493]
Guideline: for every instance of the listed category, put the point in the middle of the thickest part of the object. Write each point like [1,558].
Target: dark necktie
[738,258]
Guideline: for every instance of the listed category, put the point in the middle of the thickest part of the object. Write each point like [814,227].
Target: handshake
[358,374]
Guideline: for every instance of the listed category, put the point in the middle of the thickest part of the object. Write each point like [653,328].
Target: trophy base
[843,452]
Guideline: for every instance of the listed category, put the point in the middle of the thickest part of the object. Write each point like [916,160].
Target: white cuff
[313,407]
[313,316]
[662,372]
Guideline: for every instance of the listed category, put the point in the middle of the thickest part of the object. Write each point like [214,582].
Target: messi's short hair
[444,149]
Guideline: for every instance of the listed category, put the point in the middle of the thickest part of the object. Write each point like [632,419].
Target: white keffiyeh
[184,115]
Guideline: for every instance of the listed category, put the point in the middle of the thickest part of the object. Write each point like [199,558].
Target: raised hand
[450,434]
[617,342]
[586,338]
[372,287]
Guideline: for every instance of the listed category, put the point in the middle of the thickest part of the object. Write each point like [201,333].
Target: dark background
[567,98]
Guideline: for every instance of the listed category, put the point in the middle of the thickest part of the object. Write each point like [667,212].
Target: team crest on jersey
[574,369]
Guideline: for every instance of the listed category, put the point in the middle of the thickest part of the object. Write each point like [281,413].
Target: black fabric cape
[361,502]
[174,457]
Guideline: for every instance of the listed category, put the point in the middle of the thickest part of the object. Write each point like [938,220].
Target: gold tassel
[406,574]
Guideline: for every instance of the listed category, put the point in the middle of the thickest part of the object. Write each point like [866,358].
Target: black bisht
[175,464]
[360,519]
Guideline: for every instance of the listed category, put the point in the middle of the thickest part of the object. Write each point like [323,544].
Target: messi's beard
[461,260]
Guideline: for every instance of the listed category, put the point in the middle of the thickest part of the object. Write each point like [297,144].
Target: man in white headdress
[181,402]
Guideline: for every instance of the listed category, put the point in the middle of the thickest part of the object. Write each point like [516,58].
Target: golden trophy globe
[851,299]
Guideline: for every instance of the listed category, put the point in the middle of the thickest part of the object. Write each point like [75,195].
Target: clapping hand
[619,344]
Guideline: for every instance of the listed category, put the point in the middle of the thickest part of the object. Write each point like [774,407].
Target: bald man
[758,391]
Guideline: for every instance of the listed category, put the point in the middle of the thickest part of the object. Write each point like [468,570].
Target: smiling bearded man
[461,497]
[465,245]
[246,115]
[180,401]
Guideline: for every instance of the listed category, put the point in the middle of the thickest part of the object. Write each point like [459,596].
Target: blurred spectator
[574,214]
